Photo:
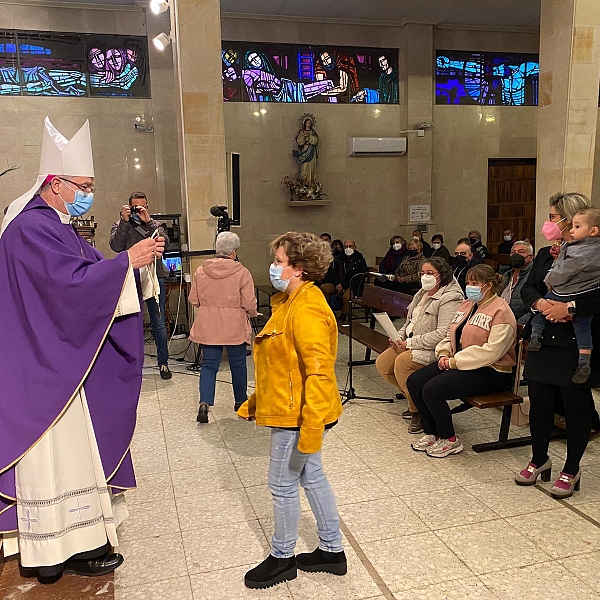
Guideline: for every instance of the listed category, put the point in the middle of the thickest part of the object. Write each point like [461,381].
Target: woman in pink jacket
[223,292]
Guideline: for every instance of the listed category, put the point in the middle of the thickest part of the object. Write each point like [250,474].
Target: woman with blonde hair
[408,273]
[476,357]
[297,397]
[223,292]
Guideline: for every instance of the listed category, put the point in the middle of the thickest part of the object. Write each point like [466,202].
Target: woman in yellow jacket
[297,396]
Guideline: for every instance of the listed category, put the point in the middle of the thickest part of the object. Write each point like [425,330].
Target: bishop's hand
[144,252]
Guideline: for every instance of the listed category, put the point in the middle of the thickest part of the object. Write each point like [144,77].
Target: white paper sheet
[385,321]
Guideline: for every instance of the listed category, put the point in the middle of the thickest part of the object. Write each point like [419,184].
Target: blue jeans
[211,360]
[582,326]
[159,326]
[287,468]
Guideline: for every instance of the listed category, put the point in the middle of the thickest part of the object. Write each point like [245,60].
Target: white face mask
[428,282]
[349,251]
[507,238]
[397,246]
[436,245]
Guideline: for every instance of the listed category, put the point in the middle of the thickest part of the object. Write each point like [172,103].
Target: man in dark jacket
[135,225]
[354,264]
[508,241]
[521,262]
[464,259]
[476,245]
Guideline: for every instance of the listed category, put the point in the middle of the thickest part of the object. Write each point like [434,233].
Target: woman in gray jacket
[427,323]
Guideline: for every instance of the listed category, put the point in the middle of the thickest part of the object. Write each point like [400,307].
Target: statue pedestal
[309,202]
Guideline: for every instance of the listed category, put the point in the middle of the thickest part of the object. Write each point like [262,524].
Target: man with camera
[135,225]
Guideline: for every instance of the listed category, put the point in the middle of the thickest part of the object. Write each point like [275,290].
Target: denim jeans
[211,360]
[287,468]
[159,326]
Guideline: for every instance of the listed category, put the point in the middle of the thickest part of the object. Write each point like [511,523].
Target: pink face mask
[552,231]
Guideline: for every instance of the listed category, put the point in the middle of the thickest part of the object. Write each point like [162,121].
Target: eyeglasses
[84,188]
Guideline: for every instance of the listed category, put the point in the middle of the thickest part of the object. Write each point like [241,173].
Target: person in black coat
[335,274]
[464,259]
[508,240]
[394,256]
[427,250]
[354,264]
[477,244]
[438,248]
[549,370]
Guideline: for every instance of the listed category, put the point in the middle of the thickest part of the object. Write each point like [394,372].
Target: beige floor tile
[150,561]
[339,457]
[205,480]
[418,479]
[491,546]
[218,508]
[414,561]
[201,435]
[448,508]
[460,589]
[507,499]
[381,519]
[173,589]
[197,455]
[245,448]
[358,486]
[590,487]
[148,418]
[149,521]
[253,471]
[153,488]
[559,532]
[149,454]
[233,428]
[232,545]
[468,469]
[229,583]
[585,567]
[548,581]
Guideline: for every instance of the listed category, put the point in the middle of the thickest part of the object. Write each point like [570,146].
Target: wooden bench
[505,400]
[378,299]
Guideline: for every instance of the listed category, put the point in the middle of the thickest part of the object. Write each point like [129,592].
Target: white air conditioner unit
[385,146]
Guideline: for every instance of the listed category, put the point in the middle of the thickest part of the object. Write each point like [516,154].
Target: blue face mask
[82,203]
[276,281]
[474,293]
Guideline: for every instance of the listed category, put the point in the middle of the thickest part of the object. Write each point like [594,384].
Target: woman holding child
[551,367]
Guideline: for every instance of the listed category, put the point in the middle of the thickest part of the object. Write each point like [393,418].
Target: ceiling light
[138,166]
[256,113]
[263,111]
[161,41]
[159,6]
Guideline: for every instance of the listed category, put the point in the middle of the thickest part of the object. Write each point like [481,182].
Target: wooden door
[511,199]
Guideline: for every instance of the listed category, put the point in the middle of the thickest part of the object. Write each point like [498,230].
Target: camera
[134,210]
[224,222]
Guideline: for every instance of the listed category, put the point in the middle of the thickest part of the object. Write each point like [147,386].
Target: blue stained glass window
[9,75]
[487,78]
[256,72]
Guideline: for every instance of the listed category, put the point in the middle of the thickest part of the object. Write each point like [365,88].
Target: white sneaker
[443,448]
[423,443]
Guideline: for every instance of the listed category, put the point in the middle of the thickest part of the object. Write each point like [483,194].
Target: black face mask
[517,261]
[473,241]
[458,262]
[413,252]
[336,251]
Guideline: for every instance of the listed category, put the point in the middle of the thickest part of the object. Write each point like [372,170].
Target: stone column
[568,100]
[199,104]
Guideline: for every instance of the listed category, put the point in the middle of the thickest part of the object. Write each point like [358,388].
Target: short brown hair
[138,196]
[485,274]
[442,267]
[592,216]
[305,251]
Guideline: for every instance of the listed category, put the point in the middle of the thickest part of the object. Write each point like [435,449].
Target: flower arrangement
[300,191]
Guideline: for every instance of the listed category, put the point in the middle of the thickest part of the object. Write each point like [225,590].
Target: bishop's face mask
[81,204]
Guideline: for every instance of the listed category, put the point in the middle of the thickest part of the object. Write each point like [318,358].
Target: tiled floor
[414,528]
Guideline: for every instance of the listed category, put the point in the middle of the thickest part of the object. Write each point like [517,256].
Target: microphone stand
[350,393]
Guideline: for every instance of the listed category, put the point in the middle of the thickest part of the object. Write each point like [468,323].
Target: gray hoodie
[577,268]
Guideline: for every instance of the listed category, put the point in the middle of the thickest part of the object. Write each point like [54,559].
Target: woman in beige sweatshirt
[475,358]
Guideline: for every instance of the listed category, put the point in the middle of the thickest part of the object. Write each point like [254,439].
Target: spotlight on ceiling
[161,41]
[159,6]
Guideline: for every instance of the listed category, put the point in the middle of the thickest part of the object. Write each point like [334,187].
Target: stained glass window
[118,66]
[255,72]
[51,64]
[70,64]
[9,75]
[487,78]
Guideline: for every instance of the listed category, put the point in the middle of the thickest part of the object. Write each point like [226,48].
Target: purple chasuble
[58,296]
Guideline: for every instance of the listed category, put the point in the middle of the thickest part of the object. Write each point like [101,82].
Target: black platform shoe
[321,561]
[271,571]
[202,413]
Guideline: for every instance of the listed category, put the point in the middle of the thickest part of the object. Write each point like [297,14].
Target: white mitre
[60,156]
